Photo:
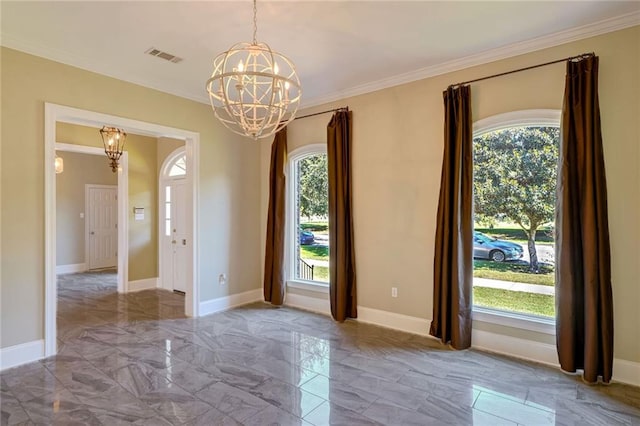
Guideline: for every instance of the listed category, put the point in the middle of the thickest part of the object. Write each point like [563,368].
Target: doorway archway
[58,113]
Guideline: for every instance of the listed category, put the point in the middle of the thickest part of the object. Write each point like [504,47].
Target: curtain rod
[570,58]
[323,112]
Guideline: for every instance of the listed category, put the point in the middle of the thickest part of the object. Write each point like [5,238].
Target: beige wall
[228,181]
[143,192]
[79,170]
[165,147]
[397,155]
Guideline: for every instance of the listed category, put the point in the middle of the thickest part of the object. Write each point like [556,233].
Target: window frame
[291,213]
[170,160]
[521,118]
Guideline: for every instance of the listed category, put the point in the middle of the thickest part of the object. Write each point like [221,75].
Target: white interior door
[174,239]
[102,217]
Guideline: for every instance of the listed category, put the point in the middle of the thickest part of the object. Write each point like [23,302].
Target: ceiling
[340,48]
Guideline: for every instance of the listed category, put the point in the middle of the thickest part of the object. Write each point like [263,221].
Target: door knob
[173,241]
[93,233]
[184,242]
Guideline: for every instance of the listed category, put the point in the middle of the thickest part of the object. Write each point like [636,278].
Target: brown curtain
[453,260]
[584,308]
[274,282]
[342,259]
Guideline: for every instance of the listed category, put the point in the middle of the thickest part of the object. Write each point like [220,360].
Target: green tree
[313,186]
[515,176]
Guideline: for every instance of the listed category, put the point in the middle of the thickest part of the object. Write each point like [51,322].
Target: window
[179,166]
[167,210]
[515,166]
[308,209]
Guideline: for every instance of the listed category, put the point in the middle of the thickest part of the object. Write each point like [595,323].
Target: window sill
[315,286]
[515,320]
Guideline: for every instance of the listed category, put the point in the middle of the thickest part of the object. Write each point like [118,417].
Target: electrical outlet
[222,279]
[394,291]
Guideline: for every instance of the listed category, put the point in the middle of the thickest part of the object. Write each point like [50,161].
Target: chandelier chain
[255,23]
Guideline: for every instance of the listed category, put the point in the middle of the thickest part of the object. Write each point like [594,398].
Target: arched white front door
[174,244]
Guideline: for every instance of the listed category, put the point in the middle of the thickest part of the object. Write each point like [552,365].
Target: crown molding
[567,36]
[67,58]
[515,49]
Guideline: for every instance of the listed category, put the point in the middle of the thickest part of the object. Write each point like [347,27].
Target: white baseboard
[24,353]
[626,372]
[394,321]
[530,350]
[623,371]
[223,303]
[145,284]
[367,315]
[313,304]
[71,269]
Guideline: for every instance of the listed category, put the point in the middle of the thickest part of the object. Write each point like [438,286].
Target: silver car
[485,247]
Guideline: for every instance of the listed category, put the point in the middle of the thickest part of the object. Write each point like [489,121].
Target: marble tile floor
[135,359]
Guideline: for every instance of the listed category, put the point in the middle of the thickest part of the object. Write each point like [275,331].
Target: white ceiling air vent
[163,55]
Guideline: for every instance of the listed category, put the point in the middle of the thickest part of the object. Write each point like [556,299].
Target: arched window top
[306,151]
[179,167]
[523,118]
[175,165]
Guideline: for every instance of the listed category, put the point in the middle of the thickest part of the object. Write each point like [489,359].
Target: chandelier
[254,91]
[113,140]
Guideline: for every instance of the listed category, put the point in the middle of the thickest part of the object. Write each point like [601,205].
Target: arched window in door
[179,166]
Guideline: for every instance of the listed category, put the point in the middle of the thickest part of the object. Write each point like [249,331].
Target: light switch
[81,215]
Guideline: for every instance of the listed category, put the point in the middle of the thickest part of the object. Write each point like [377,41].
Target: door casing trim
[54,113]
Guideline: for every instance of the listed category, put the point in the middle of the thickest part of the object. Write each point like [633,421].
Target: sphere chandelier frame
[253,90]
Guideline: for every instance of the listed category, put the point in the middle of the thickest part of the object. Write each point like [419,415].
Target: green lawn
[537,304]
[508,271]
[315,226]
[517,235]
[314,252]
[321,273]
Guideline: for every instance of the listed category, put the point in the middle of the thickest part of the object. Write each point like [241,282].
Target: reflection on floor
[136,359]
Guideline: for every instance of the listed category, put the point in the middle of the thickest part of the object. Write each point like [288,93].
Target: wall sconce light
[59,164]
